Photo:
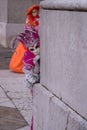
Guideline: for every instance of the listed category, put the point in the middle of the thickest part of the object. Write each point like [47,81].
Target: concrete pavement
[15,97]
[15,102]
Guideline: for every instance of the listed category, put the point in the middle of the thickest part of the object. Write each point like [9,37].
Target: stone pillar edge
[77,5]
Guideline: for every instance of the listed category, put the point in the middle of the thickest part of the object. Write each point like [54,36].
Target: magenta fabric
[28,60]
[32,123]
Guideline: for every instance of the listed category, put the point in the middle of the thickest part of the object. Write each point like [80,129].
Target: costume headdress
[28,38]
[30,9]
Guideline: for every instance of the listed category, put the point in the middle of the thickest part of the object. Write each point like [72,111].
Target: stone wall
[12,18]
[60,100]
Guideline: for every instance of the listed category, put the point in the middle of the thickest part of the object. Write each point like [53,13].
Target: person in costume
[31,57]
[31,41]
[32,14]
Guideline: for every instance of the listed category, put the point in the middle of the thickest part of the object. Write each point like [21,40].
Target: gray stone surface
[76,122]
[14,94]
[17,9]
[12,19]
[64,56]
[24,128]
[41,99]
[11,31]
[50,113]
[78,5]
[8,31]
[11,119]
[3,10]
[14,11]
[58,115]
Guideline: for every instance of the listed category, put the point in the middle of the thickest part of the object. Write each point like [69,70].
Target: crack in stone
[51,99]
[60,98]
[8,96]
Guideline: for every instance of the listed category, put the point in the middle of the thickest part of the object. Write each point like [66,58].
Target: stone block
[76,122]
[77,5]
[63,56]
[58,115]
[41,107]
[50,113]
[64,118]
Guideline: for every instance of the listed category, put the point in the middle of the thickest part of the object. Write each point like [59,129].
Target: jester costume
[31,41]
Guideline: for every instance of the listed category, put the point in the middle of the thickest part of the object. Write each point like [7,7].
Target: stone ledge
[75,5]
[51,113]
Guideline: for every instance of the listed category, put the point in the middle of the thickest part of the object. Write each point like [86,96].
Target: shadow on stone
[11,119]
[5,56]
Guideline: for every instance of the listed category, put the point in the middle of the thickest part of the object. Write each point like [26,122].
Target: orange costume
[32,14]
[16,63]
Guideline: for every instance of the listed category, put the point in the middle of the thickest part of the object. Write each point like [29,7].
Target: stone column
[60,100]
[12,18]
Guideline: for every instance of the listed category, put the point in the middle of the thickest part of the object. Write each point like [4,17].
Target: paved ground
[15,98]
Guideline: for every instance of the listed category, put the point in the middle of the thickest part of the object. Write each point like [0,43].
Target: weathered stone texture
[41,108]
[63,66]
[50,113]
[63,56]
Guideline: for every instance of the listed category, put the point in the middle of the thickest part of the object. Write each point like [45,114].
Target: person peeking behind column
[32,14]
